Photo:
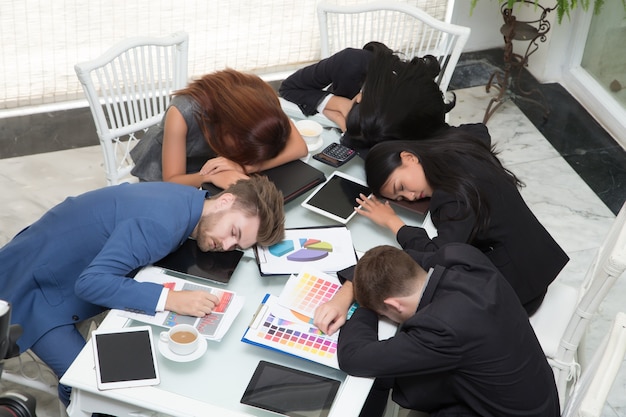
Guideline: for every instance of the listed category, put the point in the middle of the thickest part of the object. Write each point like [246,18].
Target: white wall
[484,20]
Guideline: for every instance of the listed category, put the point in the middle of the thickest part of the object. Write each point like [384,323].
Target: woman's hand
[379,212]
[220,164]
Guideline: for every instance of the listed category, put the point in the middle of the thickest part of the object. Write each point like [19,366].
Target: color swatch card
[285,323]
[277,327]
[327,249]
[307,290]
[212,326]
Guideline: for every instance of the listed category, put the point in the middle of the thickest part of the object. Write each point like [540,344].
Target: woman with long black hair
[473,199]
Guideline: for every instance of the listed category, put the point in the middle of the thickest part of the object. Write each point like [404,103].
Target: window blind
[41,40]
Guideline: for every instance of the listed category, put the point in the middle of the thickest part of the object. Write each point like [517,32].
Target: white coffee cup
[310,131]
[182,339]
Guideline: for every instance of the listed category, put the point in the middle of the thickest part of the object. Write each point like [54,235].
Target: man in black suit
[464,346]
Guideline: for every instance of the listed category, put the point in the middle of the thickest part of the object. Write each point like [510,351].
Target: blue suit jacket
[72,263]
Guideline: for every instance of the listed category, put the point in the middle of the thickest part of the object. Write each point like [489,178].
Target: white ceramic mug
[182,339]
[310,131]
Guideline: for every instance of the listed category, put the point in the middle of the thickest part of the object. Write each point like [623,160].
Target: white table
[214,384]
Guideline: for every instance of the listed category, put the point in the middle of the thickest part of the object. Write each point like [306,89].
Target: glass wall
[604,57]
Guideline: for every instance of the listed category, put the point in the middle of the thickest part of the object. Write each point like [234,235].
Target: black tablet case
[293,179]
[419,206]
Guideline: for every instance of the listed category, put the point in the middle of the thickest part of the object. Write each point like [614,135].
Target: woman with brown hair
[220,128]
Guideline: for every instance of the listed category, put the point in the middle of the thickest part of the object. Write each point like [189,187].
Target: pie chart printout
[307,250]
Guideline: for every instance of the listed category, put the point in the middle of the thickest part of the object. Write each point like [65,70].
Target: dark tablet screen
[213,266]
[290,391]
[125,358]
[338,196]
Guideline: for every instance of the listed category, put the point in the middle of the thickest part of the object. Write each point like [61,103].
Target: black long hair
[400,100]
[448,160]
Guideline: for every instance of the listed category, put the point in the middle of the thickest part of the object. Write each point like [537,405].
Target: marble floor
[572,211]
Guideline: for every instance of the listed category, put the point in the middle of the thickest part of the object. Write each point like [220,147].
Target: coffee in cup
[310,131]
[182,339]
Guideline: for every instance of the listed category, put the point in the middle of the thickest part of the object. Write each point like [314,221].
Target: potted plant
[562,7]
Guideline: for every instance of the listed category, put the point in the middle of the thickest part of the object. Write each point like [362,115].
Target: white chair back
[402,27]
[590,392]
[562,320]
[128,89]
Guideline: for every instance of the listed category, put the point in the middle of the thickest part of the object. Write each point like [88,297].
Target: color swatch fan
[280,328]
[285,323]
[309,289]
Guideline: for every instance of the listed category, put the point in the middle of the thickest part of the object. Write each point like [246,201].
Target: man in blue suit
[74,262]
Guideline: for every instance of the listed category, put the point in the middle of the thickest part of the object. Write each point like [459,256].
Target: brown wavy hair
[239,115]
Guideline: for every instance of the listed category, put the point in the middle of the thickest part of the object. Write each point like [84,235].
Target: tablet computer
[188,259]
[336,198]
[124,357]
[289,391]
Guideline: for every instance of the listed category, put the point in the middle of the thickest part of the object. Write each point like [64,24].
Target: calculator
[335,154]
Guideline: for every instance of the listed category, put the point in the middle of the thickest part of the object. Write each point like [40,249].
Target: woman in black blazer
[474,200]
[373,94]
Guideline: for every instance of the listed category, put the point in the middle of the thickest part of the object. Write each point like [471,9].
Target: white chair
[128,89]
[402,27]
[562,319]
[590,392]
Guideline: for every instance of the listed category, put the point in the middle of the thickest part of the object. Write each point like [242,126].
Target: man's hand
[191,303]
[330,316]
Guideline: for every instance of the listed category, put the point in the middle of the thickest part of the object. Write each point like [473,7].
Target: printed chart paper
[212,326]
[327,249]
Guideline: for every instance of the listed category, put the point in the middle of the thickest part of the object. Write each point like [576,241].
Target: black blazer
[515,241]
[468,345]
[343,73]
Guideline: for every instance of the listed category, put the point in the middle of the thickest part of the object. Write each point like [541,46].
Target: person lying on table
[222,127]
[74,262]
[473,199]
[374,95]
[332,86]
[464,347]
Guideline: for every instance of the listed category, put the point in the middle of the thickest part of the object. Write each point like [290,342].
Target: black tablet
[124,357]
[336,198]
[290,391]
[188,259]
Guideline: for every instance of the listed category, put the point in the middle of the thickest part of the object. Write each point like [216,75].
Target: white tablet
[124,357]
[336,198]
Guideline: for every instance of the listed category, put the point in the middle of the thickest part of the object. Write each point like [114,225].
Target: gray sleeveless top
[147,154]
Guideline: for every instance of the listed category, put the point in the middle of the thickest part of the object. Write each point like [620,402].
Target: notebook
[292,179]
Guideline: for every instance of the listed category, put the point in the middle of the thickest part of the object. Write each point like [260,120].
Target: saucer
[315,145]
[165,351]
